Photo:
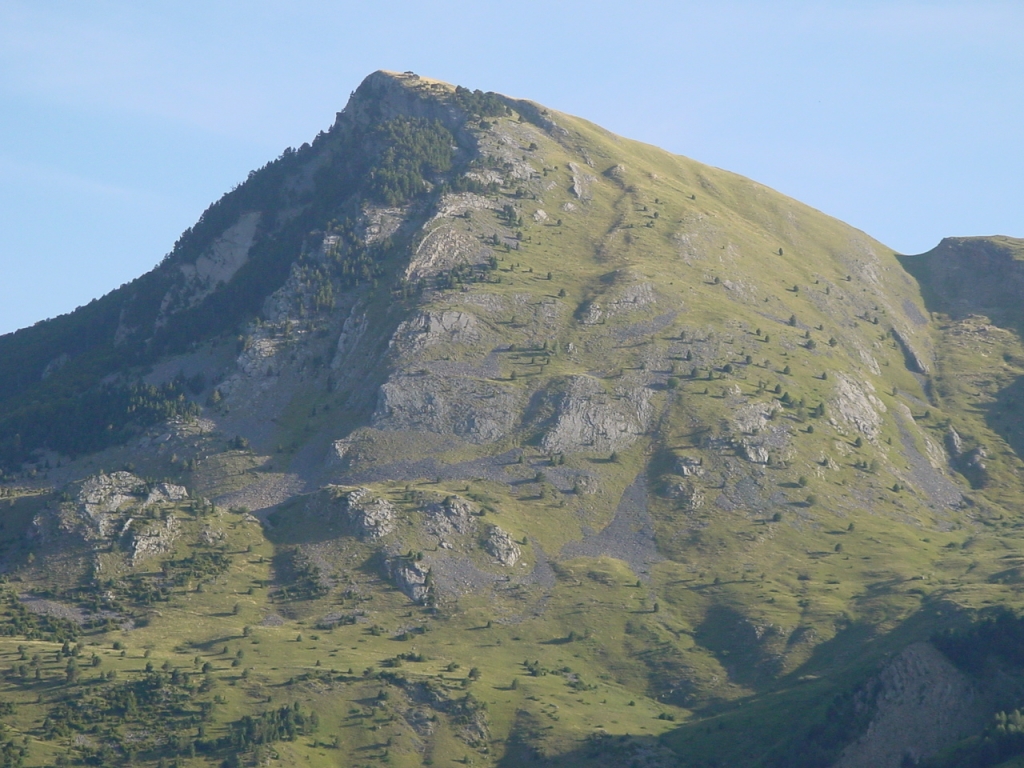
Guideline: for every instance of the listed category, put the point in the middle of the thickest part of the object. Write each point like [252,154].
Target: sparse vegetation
[541,528]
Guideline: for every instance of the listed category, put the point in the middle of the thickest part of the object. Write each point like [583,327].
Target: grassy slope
[758,622]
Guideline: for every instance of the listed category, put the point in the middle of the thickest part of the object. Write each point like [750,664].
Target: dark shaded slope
[391,145]
[983,275]
[971,282]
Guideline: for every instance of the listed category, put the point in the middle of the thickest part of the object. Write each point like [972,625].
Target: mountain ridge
[468,373]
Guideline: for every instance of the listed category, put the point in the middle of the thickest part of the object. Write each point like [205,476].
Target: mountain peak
[661,454]
[385,85]
[385,95]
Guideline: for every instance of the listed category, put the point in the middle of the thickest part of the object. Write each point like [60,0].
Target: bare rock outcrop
[410,577]
[502,546]
[591,313]
[165,492]
[379,223]
[970,462]
[617,172]
[55,365]
[587,418]
[855,404]
[430,328]
[688,495]
[687,466]
[352,331]
[753,452]
[976,459]
[915,361]
[755,416]
[684,490]
[102,505]
[109,511]
[452,205]
[954,443]
[154,539]
[103,493]
[974,467]
[214,267]
[453,516]
[372,516]
[384,95]
[581,182]
[923,704]
[443,248]
[211,537]
[629,295]
[257,359]
[475,410]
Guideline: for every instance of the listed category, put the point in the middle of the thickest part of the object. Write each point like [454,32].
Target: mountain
[473,433]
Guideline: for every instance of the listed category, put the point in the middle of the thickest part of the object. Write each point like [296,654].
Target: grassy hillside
[549,447]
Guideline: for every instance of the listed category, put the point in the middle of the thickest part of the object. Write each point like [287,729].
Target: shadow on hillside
[310,519]
[1005,415]
[956,292]
[600,750]
[801,719]
[975,284]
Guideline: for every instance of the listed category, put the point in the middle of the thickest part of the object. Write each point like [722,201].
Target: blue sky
[120,122]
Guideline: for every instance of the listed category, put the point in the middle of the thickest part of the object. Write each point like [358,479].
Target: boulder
[410,577]
[502,546]
[372,516]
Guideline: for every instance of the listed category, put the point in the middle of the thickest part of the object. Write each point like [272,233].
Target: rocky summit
[471,433]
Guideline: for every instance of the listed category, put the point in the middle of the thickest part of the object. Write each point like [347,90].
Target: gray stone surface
[372,516]
[629,536]
[589,418]
[502,546]
[475,410]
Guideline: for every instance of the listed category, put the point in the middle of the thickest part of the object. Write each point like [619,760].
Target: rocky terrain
[498,439]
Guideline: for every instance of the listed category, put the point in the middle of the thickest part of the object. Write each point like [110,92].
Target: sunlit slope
[493,438]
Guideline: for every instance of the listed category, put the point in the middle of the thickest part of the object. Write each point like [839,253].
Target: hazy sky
[121,121]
